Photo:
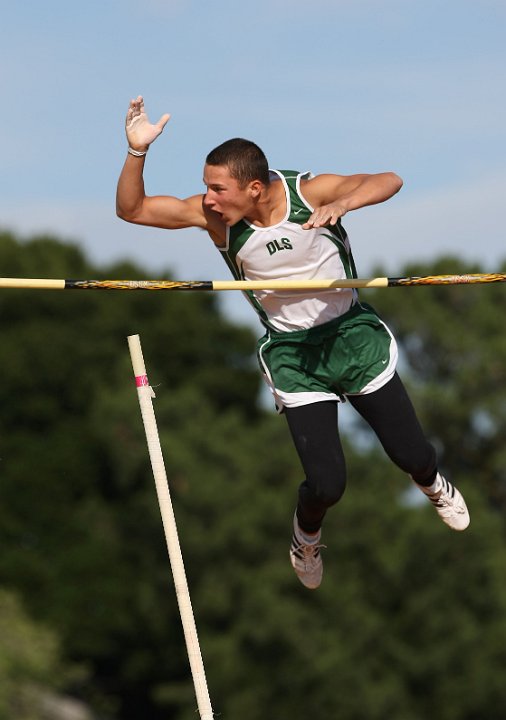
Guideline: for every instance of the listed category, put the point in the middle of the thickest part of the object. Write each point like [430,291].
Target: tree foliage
[454,341]
[29,659]
[410,621]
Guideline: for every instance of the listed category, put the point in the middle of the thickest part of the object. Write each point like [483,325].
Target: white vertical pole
[145,393]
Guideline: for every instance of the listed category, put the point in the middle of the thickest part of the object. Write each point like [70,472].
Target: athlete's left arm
[332,196]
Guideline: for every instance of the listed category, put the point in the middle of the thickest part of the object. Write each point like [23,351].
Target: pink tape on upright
[141,380]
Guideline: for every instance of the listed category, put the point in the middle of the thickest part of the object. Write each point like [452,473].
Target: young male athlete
[320,347]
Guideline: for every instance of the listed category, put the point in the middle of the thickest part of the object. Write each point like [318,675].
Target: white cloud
[105,238]
[188,254]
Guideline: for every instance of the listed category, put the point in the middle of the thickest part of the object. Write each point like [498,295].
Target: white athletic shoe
[306,559]
[449,503]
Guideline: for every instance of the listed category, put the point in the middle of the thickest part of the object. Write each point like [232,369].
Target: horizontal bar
[317,284]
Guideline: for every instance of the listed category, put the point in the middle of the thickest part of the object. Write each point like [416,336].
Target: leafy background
[410,621]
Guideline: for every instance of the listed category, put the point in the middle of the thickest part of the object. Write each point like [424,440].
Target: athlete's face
[225,196]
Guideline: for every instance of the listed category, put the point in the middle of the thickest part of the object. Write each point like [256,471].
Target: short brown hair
[245,160]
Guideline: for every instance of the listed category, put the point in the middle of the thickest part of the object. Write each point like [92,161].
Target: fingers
[137,105]
[319,218]
[323,216]
[136,110]
[163,121]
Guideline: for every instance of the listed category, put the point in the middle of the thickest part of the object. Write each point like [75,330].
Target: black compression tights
[389,413]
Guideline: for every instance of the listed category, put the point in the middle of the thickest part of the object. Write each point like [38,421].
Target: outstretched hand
[139,131]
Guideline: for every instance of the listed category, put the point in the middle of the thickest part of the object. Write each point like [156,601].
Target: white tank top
[286,251]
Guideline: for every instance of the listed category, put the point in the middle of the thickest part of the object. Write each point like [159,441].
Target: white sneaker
[449,503]
[306,559]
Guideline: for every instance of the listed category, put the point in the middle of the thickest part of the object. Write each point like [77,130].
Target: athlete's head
[235,173]
[245,161]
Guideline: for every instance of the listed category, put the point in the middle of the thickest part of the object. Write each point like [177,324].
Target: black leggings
[314,429]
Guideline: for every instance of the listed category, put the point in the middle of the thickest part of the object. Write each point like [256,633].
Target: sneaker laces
[446,504]
[446,499]
[308,553]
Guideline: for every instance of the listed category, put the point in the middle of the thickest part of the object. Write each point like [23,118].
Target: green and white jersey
[286,251]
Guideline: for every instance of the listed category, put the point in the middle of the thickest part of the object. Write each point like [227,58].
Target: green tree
[30,661]
[454,342]
[75,479]
[410,620]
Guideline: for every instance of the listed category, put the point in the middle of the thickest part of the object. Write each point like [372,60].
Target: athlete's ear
[256,187]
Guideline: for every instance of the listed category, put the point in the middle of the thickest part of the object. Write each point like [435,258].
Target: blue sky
[362,86]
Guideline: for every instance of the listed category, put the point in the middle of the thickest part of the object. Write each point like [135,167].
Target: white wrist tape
[137,153]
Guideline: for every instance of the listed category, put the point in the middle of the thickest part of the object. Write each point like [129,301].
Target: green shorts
[354,354]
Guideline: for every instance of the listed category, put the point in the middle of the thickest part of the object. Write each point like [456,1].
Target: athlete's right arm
[163,211]
[132,204]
